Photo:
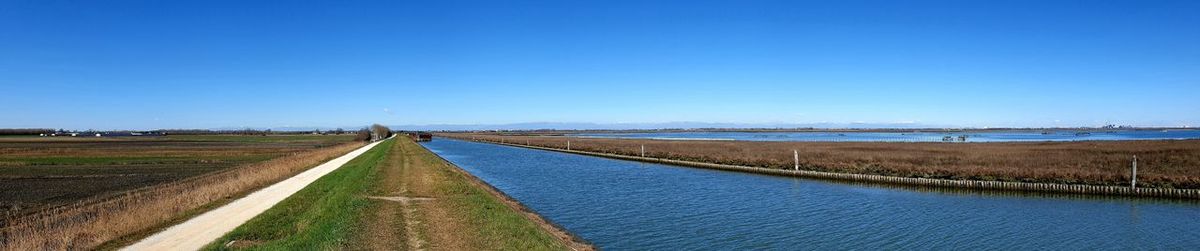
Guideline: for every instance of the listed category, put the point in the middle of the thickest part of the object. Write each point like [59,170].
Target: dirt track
[199,231]
[424,202]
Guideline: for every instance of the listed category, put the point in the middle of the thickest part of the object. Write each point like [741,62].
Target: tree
[26,131]
[380,132]
[362,135]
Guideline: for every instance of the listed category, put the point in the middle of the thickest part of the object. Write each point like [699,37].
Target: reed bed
[1161,163]
[89,224]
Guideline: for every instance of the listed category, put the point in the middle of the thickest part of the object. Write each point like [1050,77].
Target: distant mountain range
[287,128]
[599,126]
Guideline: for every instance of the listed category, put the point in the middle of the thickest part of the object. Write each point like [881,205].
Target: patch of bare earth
[241,244]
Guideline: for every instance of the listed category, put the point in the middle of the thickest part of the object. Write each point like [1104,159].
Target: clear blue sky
[205,64]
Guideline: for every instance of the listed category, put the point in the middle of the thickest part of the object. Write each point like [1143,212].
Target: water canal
[623,205]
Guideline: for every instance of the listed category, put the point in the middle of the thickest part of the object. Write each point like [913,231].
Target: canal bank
[963,184]
[634,205]
[568,239]
[398,196]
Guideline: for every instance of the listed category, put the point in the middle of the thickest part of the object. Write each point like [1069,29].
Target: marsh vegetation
[1162,163]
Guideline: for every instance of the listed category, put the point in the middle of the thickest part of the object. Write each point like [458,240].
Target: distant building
[420,136]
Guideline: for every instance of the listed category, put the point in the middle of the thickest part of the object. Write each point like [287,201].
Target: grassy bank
[96,220]
[397,196]
[1162,164]
[319,217]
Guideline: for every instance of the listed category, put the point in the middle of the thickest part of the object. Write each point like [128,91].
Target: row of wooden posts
[796,159]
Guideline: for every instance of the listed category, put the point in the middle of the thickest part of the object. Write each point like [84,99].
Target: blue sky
[205,64]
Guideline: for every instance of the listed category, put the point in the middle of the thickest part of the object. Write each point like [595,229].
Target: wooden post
[796,156]
[568,145]
[1133,174]
[643,151]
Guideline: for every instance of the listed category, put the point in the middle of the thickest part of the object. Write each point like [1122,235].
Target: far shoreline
[1056,167]
[561,132]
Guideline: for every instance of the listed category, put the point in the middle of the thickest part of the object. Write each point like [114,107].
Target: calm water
[624,205]
[998,136]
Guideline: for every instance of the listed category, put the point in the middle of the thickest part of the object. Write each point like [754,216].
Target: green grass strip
[319,217]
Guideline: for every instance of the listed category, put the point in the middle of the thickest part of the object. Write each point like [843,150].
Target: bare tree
[362,135]
[26,131]
[380,132]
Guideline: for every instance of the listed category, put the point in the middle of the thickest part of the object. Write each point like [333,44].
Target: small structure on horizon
[420,136]
[960,138]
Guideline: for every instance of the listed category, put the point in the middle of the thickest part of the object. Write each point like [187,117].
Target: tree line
[26,131]
[372,133]
[375,132]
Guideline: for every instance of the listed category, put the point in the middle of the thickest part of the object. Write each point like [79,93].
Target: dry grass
[42,172]
[88,224]
[1162,163]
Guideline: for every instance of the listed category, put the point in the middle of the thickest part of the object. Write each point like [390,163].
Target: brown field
[1163,163]
[36,173]
[78,193]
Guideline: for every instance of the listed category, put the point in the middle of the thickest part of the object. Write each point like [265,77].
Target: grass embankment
[320,216]
[1161,163]
[398,196]
[135,208]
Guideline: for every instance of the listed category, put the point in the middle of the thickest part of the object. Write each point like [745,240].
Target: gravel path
[199,231]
